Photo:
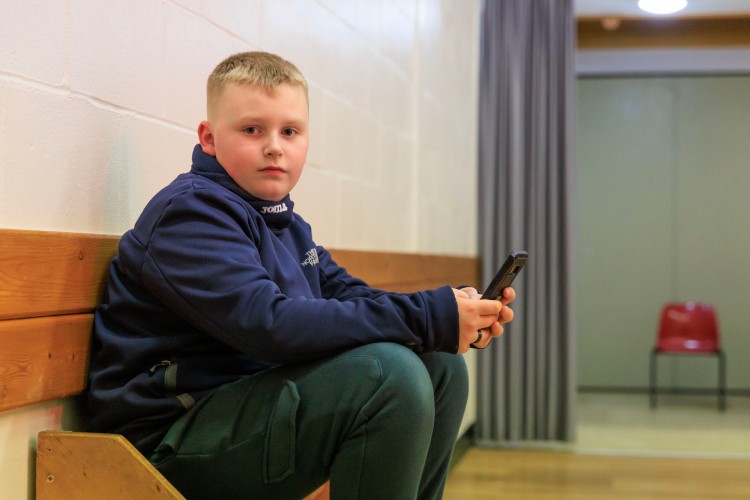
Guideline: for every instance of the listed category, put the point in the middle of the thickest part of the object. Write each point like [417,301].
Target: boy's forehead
[248,89]
[237,98]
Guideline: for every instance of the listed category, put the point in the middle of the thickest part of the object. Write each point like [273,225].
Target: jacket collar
[277,214]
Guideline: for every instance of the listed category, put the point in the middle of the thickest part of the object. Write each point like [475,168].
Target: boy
[237,355]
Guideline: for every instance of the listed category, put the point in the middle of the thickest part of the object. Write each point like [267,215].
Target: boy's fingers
[509,295]
[489,307]
[506,315]
[487,311]
[496,329]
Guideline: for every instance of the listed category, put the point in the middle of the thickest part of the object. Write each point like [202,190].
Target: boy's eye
[251,130]
[288,131]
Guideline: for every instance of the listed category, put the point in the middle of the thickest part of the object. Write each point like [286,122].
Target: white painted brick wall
[100,100]
[191,43]
[116,52]
[33,49]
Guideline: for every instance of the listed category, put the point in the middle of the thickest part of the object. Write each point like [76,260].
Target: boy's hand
[487,316]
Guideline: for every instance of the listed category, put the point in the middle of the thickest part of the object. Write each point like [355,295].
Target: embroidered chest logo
[275,209]
[311,258]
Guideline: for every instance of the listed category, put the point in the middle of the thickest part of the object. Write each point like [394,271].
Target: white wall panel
[662,206]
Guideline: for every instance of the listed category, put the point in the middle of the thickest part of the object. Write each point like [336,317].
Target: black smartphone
[507,273]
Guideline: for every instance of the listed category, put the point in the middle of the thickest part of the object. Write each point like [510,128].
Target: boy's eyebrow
[261,118]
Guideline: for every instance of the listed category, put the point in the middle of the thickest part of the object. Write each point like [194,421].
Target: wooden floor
[529,475]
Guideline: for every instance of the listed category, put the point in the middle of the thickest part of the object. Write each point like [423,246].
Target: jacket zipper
[170,377]
[158,365]
[170,374]
[170,382]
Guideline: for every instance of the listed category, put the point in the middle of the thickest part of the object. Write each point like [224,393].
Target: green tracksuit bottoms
[380,421]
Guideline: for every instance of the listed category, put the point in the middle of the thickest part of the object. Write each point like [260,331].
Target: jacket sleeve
[205,265]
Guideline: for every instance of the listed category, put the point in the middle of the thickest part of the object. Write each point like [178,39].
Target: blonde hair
[259,69]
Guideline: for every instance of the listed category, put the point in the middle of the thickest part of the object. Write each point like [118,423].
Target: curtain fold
[526,172]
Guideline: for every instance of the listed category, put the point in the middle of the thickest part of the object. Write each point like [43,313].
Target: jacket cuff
[442,330]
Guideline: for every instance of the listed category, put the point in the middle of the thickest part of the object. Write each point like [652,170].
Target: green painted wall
[663,202]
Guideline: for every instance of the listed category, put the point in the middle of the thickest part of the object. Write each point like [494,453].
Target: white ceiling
[630,8]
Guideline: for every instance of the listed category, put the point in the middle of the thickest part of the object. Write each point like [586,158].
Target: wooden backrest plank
[45,273]
[45,276]
[404,272]
[43,358]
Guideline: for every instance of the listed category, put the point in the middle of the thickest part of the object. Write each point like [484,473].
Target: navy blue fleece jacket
[213,284]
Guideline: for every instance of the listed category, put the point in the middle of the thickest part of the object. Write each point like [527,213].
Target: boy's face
[259,137]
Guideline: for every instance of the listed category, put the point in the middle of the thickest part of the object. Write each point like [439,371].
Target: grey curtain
[526,174]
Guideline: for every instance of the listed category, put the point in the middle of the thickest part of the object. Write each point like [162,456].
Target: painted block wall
[99,103]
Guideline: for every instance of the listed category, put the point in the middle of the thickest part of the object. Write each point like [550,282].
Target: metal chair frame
[722,391]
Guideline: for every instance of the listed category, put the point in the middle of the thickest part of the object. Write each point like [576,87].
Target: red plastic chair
[688,328]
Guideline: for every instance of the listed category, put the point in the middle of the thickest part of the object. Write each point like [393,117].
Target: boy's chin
[273,197]
[271,190]
[268,191]
[270,197]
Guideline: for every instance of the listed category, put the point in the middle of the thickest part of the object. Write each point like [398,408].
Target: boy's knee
[447,370]
[399,362]
[450,379]
[405,379]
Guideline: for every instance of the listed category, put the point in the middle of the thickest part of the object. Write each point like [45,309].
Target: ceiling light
[662,6]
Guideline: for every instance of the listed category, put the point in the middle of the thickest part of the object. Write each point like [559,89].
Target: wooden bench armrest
[87,465]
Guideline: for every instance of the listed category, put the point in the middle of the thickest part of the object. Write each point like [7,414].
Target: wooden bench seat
[50,284]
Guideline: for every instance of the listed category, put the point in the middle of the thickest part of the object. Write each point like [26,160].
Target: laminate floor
[684,449]
[681,425]
[486,474]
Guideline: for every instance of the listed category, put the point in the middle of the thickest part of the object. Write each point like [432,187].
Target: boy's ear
[206,138]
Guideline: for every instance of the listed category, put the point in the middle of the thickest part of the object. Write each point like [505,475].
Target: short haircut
[259,69]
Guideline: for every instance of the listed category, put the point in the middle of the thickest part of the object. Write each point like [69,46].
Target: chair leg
[722,381]
[652,379]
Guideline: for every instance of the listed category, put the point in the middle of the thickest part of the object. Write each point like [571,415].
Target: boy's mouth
[272,169]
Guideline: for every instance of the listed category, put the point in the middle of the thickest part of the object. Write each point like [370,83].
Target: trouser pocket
[281,436]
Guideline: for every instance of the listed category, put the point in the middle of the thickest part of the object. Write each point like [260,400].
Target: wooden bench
[50,283]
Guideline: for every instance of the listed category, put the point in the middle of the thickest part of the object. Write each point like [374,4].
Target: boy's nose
[273,147]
